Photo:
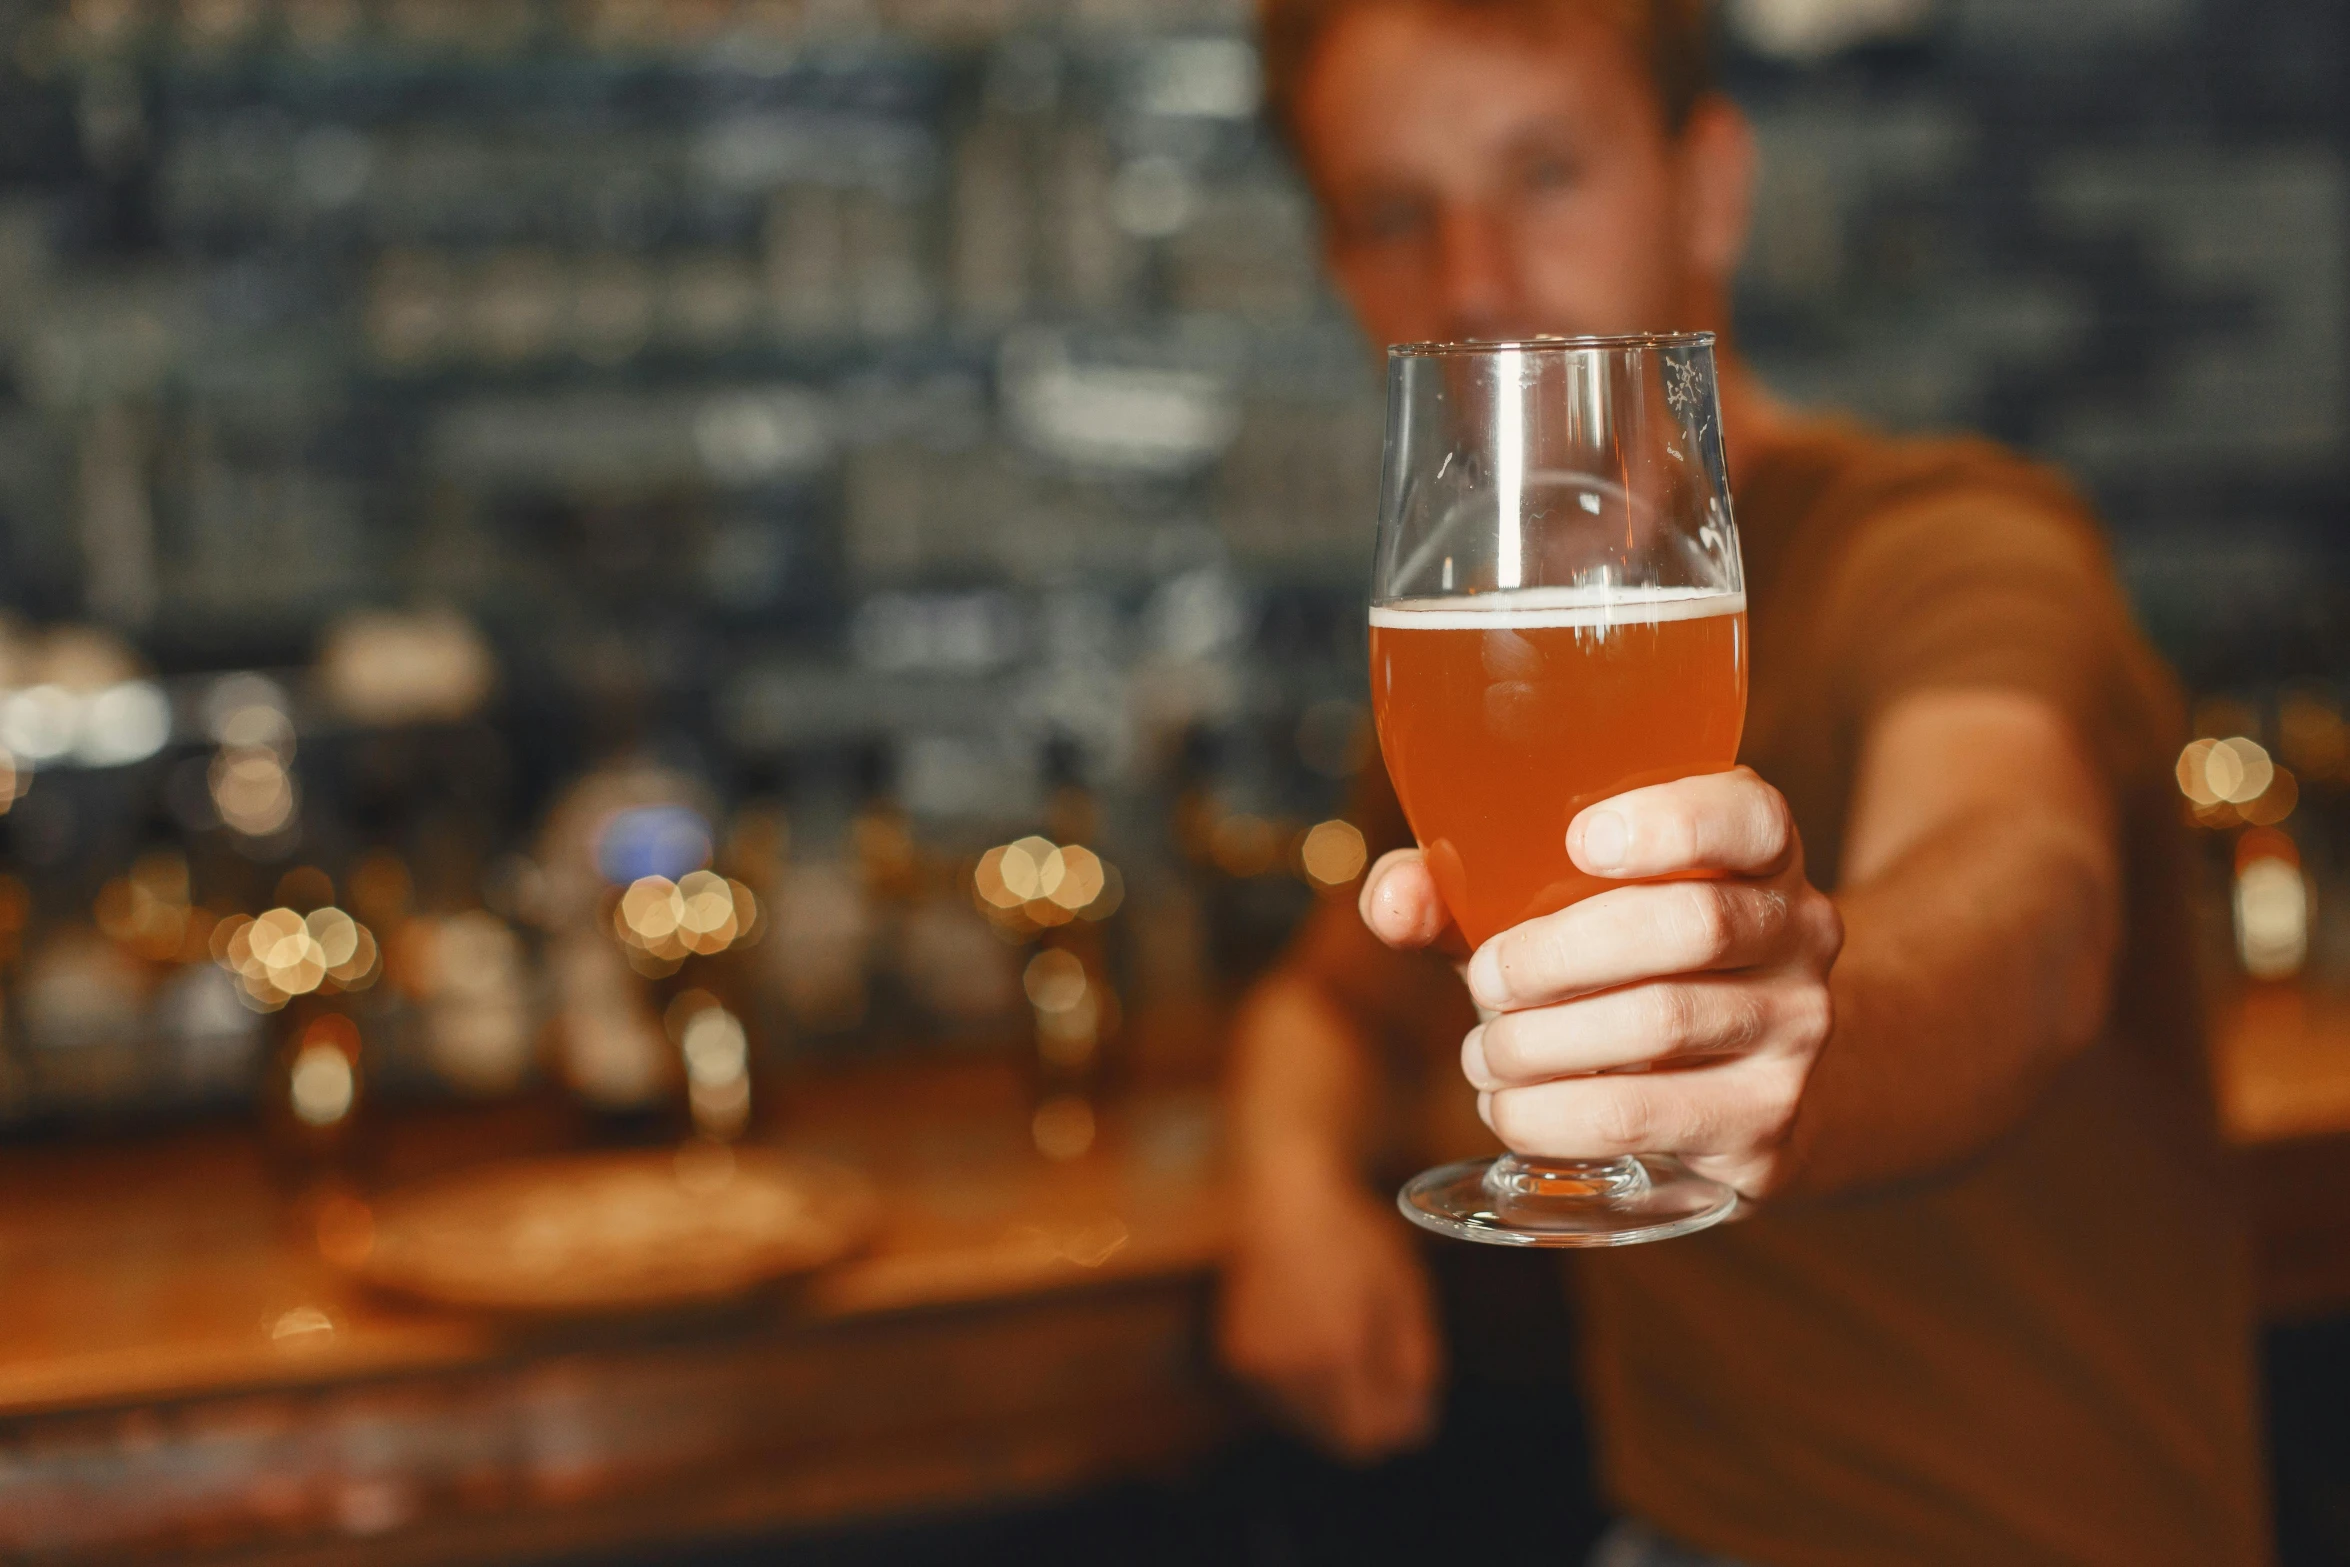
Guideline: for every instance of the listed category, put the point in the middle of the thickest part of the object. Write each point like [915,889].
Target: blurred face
[1495,175]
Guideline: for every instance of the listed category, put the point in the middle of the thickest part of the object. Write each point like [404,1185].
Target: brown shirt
[2044,1354]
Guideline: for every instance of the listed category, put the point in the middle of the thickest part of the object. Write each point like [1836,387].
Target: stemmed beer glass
[1558,614]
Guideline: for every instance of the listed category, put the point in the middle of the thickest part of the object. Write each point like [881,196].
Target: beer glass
[1558,614]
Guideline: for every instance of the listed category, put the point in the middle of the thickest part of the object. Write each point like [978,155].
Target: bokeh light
[664,922]
[1035,884]
[384,667]
[1333,853]
[279,954]
[717,1056]
[2234,780]
[125,723]
[1069,1007]
[301,1326]
[2272,905]
[649,842]
[322,1080]
[1081,881]
[1055,981]
[252,790]
[1029,869]
[40,723]
[322,1085]
[247,710]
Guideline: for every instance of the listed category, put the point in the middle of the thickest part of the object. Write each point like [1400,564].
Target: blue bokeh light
[652,840]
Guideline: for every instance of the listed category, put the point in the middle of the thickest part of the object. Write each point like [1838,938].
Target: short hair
[1673,37]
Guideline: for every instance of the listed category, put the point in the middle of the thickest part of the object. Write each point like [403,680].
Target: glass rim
[1467,347]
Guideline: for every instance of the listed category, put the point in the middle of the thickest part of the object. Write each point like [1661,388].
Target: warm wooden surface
[2281,1061]
[182,1378]
[2281,1067]
[161,1268]
[609,1445]
[181,1374]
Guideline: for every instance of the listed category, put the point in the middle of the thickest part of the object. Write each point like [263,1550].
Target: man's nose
[1477,282]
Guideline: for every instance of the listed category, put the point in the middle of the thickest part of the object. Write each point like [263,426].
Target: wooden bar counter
[182,1377]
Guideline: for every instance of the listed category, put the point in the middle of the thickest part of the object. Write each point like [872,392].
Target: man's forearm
[1302,1082]
[1972,968]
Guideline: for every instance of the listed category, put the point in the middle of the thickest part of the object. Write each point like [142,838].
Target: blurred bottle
[315,1119]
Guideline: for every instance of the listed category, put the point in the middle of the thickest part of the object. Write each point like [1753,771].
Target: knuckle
[1704,922]
[1827,923]
[1746,1019]
[1775,1104]
[1672,1017]
[1679,840]
[1814,1016]
[1623,1119]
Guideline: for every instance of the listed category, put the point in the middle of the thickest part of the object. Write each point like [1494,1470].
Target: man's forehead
[1663,44]
[1456,81]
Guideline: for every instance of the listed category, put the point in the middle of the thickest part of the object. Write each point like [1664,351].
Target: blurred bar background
[587,575]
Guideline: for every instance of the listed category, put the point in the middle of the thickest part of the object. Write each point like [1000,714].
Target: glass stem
[1515,1178]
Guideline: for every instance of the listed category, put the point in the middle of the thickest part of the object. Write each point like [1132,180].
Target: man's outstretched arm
[1775,1038]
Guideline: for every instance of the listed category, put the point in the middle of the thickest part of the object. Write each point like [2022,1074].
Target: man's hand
[1327,1309]
[1681,1014]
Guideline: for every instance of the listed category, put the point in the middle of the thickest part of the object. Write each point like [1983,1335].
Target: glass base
[1554,1202]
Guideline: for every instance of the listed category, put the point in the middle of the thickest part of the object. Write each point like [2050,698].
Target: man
[1930,1008]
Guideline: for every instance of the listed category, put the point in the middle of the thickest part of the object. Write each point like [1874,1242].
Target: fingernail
[1605,838]
[1485,1110]
[1473,1065]
[1485,979]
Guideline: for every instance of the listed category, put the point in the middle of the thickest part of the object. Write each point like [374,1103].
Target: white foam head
[1521,609]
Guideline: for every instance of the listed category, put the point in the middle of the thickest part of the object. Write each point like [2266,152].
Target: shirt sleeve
[1998,587]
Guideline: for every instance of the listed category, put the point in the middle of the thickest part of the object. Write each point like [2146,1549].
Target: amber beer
[1502,715]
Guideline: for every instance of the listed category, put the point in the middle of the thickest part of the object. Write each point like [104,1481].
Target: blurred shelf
[180,1374]
[518,43]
